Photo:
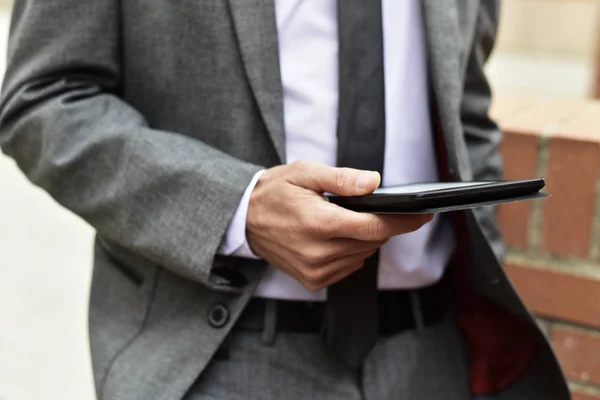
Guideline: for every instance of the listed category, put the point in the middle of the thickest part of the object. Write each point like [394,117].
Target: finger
[353,265]
[282,262]
[316,278]
[384,227]
[348,246]
[330,250]
[343,274]
[342,223]
[341,181]
[334,249]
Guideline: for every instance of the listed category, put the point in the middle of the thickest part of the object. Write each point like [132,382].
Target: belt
[399,310]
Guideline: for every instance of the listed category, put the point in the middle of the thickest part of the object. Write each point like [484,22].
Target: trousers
[429,363]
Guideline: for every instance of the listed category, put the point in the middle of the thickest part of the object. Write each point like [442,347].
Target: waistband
[398,311]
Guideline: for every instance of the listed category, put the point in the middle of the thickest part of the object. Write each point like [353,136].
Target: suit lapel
[255,26]
[256,30]
[443,40]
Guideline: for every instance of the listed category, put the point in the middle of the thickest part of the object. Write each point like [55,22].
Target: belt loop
[270,323]
[417,311]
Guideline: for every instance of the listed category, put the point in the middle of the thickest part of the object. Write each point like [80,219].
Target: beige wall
[562,27]
[546,48]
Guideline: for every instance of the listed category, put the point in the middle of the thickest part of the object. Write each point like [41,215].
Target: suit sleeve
[481,133]
[160,194]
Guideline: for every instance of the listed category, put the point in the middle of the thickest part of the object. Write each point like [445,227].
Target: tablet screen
[426,187]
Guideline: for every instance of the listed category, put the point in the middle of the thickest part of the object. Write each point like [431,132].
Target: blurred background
[545,74]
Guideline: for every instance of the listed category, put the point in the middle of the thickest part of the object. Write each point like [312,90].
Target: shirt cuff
[235,243]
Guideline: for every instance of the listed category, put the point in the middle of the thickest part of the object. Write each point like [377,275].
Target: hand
[291,224]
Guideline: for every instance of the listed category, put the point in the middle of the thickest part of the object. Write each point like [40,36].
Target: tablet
[435,197]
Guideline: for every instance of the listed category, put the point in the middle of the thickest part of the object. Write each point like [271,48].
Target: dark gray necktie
[352,303]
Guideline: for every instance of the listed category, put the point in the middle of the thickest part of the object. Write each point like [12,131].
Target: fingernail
[363,179]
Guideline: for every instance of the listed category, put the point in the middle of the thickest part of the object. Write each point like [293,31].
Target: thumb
[341,181]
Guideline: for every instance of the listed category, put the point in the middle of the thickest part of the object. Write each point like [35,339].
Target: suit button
[218,316]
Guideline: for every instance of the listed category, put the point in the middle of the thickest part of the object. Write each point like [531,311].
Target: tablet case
[409,199]
[434,210]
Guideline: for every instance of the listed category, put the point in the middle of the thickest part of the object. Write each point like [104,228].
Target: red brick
[568,216]
[520,153]
[576,395]
[578,352]
[557,294]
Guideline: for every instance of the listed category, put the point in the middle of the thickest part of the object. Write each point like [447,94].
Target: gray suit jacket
[148,118]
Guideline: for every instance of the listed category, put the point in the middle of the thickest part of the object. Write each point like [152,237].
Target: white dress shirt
[308,49]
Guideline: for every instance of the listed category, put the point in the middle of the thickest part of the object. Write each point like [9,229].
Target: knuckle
[312,259]
[318,275]
[333,223]
[305,259]
[321,258]
[341,178]
[314,226]
[302,165]
[317,256]
[313,278]
[376,230]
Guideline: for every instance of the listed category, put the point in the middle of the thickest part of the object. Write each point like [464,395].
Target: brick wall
[554,243]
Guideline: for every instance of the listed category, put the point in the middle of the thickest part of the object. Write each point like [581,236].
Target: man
[198,138]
